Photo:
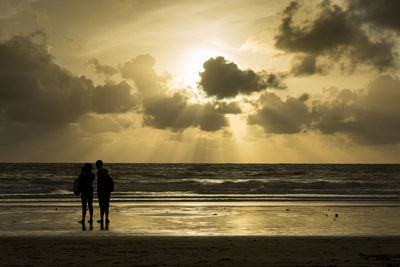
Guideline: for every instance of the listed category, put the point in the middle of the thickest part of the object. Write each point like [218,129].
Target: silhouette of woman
[86,188]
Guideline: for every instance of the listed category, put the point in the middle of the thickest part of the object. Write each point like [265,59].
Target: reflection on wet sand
[102,226]
[183,220]
[84,226]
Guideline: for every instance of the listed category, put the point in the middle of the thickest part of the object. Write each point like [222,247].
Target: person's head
[87,167]
[99,164]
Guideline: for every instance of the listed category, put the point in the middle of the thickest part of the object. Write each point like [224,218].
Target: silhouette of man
[103,191]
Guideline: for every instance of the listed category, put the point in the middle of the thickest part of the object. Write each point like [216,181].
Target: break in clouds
[361,32]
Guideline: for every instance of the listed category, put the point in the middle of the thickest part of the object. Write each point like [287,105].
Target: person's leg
[83,200]
[101,204]
[90,204]
[107,206]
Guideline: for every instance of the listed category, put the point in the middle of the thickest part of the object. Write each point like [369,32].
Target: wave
[257,186]
[227,179]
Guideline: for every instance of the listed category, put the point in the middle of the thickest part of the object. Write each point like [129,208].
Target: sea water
[52,182]
[207,199]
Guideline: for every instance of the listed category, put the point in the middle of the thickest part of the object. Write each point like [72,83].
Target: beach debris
[326,215]
[336,215]
[287,209]
[215,214]
[13,221]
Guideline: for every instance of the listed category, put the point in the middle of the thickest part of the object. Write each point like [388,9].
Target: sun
[193,64]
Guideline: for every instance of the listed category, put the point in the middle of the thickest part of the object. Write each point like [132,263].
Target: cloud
[303,65]
[224,79]
[226,108]
[101,69]
[176,113]
[141,70]
[118,98]
[173,110]
[35,90]
[282,117]
[367,117]
[335,33]
[382,13]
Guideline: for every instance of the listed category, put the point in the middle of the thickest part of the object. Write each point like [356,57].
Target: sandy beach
[199,251]
[208,219]
[204,234]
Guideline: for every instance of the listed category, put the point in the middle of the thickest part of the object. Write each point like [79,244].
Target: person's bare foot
[100,221]
[90,221]
[107,221]
[81,221]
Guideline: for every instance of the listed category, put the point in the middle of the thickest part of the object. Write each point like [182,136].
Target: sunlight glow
[193,64]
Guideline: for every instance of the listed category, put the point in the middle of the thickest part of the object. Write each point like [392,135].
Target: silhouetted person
[102,227]
[105,186]
[86,188]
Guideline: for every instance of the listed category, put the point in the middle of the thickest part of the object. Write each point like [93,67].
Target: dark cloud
[272,80]
[35,90]
[282,117]
[335,33]
[382,13]
[101,69]
[118,96]
[173,112]
[224,79]
[369,117]
[176,113]
[164,110]
[210,119]
[303,65]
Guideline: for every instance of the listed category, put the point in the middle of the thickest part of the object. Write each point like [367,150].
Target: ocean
[41,183]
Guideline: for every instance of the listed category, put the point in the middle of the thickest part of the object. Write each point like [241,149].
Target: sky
[239,81]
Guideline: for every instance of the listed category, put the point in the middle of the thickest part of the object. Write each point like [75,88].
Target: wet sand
[199,251]
[209,219]
[204,234]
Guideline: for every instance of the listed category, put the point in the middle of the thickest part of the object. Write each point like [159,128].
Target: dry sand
[199,251]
